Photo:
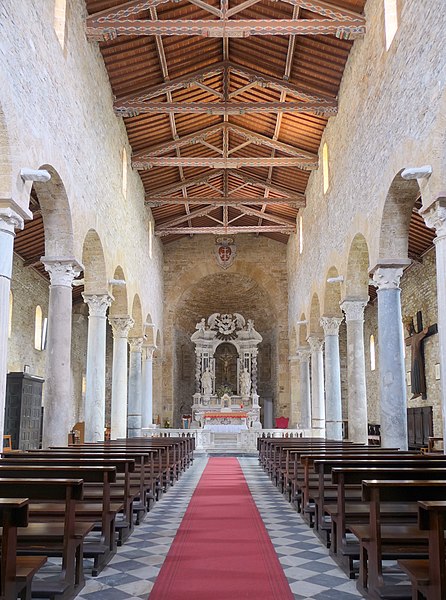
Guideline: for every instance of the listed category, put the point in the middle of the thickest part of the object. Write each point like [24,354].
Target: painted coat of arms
[225,251]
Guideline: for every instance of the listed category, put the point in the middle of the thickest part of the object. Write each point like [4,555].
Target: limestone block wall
[79,359]
[195,287]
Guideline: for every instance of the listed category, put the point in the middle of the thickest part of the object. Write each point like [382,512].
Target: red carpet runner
[222,550]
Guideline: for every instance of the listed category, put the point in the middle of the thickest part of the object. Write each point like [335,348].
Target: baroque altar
[226,398]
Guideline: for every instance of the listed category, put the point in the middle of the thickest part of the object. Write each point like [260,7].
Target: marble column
[435,217]
[10,220]
[356,382]
[135,388]
[333,401]
[121,327]
[391,357]
[303,355]
[95,376]
[317,384]
[147,386]
[58,412]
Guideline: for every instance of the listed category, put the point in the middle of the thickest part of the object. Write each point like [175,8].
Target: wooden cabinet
[23,410]
[419,426]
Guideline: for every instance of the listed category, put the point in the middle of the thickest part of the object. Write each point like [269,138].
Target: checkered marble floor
[310,571]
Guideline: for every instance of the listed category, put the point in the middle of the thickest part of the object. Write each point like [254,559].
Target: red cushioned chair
[282,422]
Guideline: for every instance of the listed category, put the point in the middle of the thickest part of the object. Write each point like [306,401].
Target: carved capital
[10,220]
[303,354]
[148,352]
[388,278]
[97,304]
[136,344]
[435,217]
[62,271]
[121,326]
[353,310]
[316,343]
[331,325]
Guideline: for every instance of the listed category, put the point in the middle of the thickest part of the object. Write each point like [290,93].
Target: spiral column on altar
[121,327]
[135,388]
[147,386]
[303,356]
[57,415]
[317,384]
[333,401]
[356,381]
[387,276]
[435,218]
[10,220]
[254,354]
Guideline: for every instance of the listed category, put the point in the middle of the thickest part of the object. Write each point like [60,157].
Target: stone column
[391,357]
[135,388]
[147,386]
[317,384]
[356,383]
[95,376]
[10,220]
[303,355]
[58,413]
[333,401]
[121,327]
[435,217]
[295,411]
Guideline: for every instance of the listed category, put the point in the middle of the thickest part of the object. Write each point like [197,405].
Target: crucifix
[416,340]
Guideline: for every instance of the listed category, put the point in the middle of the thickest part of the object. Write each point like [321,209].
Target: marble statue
[245,382]
[206,382]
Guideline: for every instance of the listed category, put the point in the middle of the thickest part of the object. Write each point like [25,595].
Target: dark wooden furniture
[23,410]
[419,427]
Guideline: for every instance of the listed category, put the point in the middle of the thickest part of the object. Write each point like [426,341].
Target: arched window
[11,302]
[390,20]
[301,233]
[124,172]
[38,328]
[325,167]
[372,353]
[60,15]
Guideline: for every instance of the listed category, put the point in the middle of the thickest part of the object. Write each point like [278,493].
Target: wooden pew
[16,572]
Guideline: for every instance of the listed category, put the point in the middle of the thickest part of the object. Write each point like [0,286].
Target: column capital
[331,325]
[62,271]
[387,273]
[148,351]
[435,217]
[316,343]
[303,354]
[353,309]
[97,304]
[10,220]
[136,344]
[121,325]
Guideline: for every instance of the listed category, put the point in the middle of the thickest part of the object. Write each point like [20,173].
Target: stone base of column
[134,426]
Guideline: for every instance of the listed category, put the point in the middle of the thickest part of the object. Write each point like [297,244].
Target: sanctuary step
[226,441]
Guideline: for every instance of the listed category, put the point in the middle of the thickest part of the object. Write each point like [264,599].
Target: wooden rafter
[175,187]
[223,163]
[202,212]
[257,213]
[258,182]
[297,201]
[222,230]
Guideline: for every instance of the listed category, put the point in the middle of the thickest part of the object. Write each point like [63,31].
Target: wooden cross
[416,340]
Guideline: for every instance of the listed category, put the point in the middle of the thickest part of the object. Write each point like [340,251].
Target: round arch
[332,294]
[357,280]
[315,328]
[93,259]
[138,327]
[303,331]
[120,304]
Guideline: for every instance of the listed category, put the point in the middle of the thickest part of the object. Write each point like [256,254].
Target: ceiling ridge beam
[224,163]
[288,229]
[298,201]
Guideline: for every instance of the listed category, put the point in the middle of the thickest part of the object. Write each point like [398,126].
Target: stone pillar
[147,386]
[333,401]
[391,357]
[295,411]
[303,355]
[435,217]
[121,327]
[135,388]
[95,376]
[58,413]
[317,384]
[356,382]
[10,220]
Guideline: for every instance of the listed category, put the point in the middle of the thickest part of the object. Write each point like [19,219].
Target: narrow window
[301,232]
[11,302]
[44,332]
[60,14]
[150,238]
[325,167]
[124,173]
[372,353]
[390,20]
[38,327]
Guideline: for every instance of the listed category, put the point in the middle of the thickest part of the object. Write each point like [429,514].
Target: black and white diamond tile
[311,572]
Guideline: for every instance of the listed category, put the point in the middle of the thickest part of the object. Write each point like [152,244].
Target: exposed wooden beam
[175,187]
[187,140]
[326,9]
[112,28]
[33,261]
[125,9]
[258,182]
[136,107]
[202,212]
[258,213]
[221,230]
[297,201]
[236,9]
[223,163]
[207,7]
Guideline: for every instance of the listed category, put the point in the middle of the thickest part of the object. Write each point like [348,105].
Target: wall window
[11,302]
[390,20]
[372,353]
[325,167]
[60,14]
[38,328]
[301,233]
[124,172]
